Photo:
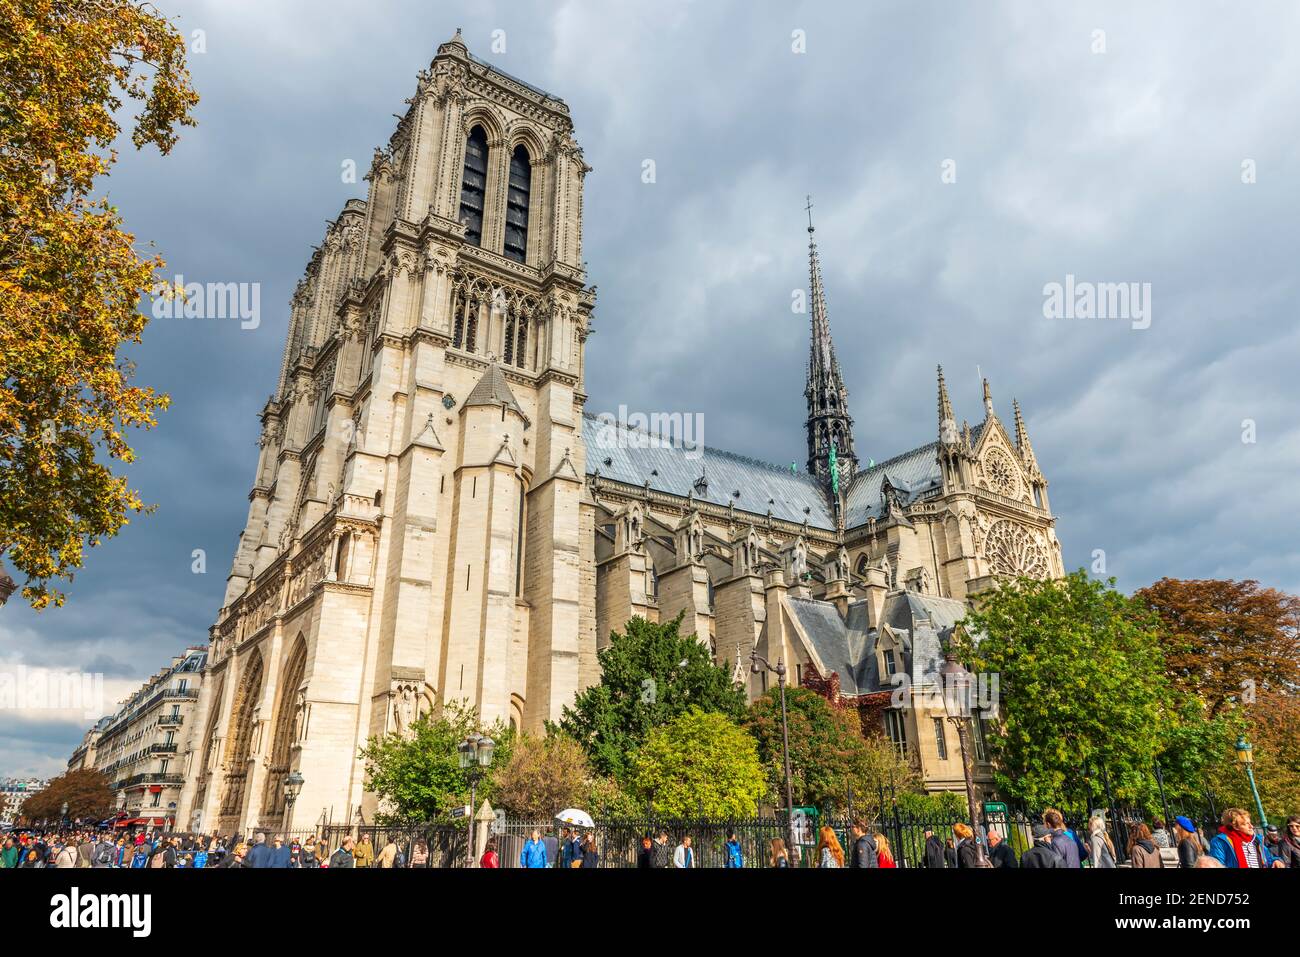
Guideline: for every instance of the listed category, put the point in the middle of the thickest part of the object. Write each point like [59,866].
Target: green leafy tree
[934,806]
[1083,688]
[609,800]
[418,776]
[829,755]
[1193,742]
[699,763]
[650,675]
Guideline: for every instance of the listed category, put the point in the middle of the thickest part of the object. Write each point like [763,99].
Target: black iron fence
[619,841]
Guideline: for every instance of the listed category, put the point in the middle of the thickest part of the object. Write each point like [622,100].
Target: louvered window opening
[473,185]
[521,176]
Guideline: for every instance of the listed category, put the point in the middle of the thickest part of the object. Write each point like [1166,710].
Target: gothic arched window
[521,348]
[521,178]
[458,325]
[510,340]
[473,185]
[471,326]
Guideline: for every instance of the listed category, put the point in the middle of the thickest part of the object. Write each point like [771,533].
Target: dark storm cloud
[1122,166]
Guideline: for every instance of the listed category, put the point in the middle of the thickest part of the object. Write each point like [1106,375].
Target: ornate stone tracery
[1002,474]
[1012,549]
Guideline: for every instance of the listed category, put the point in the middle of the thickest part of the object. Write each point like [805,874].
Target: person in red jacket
[884,856]
[490,858]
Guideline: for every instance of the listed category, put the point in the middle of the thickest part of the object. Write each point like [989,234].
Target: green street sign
[994,807]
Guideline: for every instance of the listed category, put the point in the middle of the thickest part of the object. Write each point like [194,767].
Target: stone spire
[1022,441]
[947,420]
[828,414]
[988,401]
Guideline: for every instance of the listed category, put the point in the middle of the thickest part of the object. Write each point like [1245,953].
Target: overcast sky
[1113,157]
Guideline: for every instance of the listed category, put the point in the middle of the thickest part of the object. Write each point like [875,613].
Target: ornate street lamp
[758,664]
[956,705]
[64,813]
[1246,758]
[475,755]
[292,788]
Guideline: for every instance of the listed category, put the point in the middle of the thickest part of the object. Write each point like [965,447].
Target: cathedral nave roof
[624,454]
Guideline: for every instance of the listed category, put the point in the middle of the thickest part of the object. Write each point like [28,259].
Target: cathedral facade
[434,518]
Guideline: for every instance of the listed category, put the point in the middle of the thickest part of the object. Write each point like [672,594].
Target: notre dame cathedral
[433,517]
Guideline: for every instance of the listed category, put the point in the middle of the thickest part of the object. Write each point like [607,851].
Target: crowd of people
[90,848]
[1237,843]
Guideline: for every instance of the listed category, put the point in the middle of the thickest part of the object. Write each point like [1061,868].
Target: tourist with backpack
[104,853]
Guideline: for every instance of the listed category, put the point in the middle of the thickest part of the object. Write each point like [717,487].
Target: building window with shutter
[473,185]
[521,179]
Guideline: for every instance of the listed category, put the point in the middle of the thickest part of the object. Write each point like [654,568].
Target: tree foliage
[543,777]
[700,763]
[86,791]
[650,675]
[1223,640]
[418,775]
[70,277]
[1083,689]
[828,753]
[1272,725]
[934,805]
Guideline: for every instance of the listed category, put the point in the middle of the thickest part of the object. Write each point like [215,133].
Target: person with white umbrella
[571,848]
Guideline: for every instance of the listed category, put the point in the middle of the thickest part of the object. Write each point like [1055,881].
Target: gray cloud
[1123,166]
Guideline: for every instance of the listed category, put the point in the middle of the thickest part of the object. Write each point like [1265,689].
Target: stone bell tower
[417,533]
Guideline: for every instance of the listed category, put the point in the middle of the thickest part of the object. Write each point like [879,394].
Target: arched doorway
[282,736]
[200,768]
[239,742]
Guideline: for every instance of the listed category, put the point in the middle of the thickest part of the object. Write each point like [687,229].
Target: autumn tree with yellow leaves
[70,276]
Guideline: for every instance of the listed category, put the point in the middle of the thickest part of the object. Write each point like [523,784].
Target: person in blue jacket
[534,852]
[259,855]
[1237,844]
[281,855]
[734,856]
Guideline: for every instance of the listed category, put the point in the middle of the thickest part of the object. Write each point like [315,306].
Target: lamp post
[1246,758]
[757,664]
[292,788]
[956,705]
[63,814]
[475,754]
